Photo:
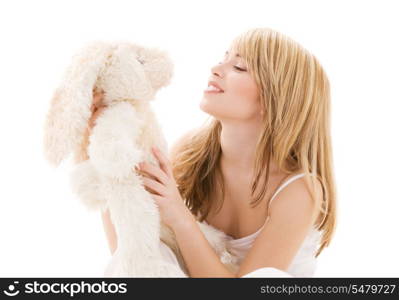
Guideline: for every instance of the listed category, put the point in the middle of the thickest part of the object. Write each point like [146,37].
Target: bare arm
[109,231]
[200,258]
[291,216]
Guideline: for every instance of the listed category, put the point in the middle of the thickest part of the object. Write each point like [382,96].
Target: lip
[214,83]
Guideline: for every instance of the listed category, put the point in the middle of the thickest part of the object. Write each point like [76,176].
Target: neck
[238,145]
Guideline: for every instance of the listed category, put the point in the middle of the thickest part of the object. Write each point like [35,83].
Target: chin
[207,107]
[213,108]
[212,113]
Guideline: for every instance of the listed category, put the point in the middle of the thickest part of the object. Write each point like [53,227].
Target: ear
[70,107]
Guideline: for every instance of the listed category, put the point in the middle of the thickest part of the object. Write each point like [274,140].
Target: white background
[44,229]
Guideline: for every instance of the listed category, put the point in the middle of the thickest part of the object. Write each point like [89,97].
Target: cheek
[243,96]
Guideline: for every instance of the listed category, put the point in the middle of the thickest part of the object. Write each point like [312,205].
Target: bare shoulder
[295,201]
[174,149]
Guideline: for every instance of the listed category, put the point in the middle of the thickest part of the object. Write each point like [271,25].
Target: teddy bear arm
[86,184]
[113,147]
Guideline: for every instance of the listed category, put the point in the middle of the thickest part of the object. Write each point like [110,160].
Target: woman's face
[239,101]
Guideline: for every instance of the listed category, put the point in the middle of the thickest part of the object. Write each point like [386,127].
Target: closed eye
[239,68]
[236,67]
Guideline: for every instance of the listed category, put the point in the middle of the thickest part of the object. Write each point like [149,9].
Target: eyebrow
[227,52]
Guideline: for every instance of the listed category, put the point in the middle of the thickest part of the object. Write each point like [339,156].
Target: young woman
[261,170]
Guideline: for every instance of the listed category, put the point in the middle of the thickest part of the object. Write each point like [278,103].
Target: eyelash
[239,69]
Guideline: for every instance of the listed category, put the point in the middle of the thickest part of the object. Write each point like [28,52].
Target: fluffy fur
[130,76]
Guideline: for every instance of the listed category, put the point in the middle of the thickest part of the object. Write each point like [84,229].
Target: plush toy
[130,75]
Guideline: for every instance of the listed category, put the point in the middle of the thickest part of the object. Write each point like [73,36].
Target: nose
[217,70]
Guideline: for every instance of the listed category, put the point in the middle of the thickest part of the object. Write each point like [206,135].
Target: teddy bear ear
[70,107]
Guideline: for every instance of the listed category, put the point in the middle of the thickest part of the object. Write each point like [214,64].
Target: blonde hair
[295,98]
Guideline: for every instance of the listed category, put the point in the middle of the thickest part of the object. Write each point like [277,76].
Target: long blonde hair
[295,96]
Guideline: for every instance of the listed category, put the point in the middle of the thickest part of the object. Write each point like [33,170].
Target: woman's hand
[160,183]
[96,108]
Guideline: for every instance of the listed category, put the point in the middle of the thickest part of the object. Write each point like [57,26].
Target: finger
[151,191]
[155,171]
[143,173]
[98,111]
[97,99]
[154,185]
[163,161]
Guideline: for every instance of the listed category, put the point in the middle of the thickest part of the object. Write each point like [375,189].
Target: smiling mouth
[213,89]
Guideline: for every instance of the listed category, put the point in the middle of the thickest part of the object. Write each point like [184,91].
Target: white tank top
[303,264]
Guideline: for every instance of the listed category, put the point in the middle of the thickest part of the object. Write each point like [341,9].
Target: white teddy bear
[130,76]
